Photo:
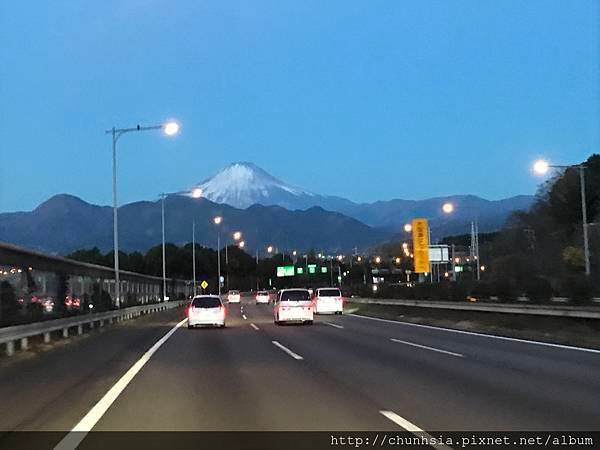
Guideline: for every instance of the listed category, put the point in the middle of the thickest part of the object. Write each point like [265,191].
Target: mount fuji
[242,184]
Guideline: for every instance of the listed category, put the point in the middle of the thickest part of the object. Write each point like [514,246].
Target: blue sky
[368,100]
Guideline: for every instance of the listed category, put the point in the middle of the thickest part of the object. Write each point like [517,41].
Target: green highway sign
[323,269]
[312,268]
[285,271]
[299,270]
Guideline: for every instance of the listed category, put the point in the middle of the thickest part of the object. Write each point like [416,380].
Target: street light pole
[115,136]
[170,129]
[194,254]
[164,258]
[217,221]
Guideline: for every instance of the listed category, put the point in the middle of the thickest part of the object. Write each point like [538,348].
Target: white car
[262,297]
[233,296]
[293,305]
[206,310]
[329,301]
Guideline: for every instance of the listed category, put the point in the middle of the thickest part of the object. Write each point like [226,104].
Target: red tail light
[223,310]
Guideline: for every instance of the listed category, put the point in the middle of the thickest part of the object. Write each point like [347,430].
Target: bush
[482,289]
[505,290]
[538,289]
[578,288]
[459,291]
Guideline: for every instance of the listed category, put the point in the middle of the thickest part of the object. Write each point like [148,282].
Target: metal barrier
[539,310]
[10,335]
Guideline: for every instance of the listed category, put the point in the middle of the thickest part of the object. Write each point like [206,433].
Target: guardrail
[22,333]
[539,310]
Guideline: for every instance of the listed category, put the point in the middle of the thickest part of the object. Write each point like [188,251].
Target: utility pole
[194,254]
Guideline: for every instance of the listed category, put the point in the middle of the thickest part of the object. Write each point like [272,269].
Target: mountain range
[267,210]
[242,184]
[65,223]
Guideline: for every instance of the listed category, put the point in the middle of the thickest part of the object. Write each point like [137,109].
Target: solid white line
[85,425]
[334,325]
[428,348]
[287,350]
[474,333]
[254,326]
[244,316]
[409,426]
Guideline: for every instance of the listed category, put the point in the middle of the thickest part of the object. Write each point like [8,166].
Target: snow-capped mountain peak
[242,184]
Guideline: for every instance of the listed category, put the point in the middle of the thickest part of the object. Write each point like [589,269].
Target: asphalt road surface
[342,373]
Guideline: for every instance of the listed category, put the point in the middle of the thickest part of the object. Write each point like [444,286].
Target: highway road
[342,373]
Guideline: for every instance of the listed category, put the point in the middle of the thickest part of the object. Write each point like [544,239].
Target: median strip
[484,335]
[433,349]
[287,350]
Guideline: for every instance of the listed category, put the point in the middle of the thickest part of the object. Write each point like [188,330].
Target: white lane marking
[428,348]
[85,425]
[244,316]
[474,333]
[254,326]
[334,325]
[287,350]
[409,426]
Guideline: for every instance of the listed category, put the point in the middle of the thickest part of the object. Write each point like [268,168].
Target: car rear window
[295,296]
[206,302]
[330,293]
[234,292]
[263,293]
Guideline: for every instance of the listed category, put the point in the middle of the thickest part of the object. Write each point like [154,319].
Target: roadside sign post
[420,232]
[203,285]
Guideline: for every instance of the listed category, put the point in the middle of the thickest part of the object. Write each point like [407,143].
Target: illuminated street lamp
[377,259]
[542,167]
[408,227]
[197,193]
[241,244]
[169,128]
[270,249]
[397,260]
[237,235]
[448,207]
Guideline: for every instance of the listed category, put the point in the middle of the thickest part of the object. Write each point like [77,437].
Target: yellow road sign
[204,284]
[420,232]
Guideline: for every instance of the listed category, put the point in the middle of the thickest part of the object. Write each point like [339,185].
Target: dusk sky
[368,100]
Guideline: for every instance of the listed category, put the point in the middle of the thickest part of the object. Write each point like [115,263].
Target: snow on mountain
[243,184]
